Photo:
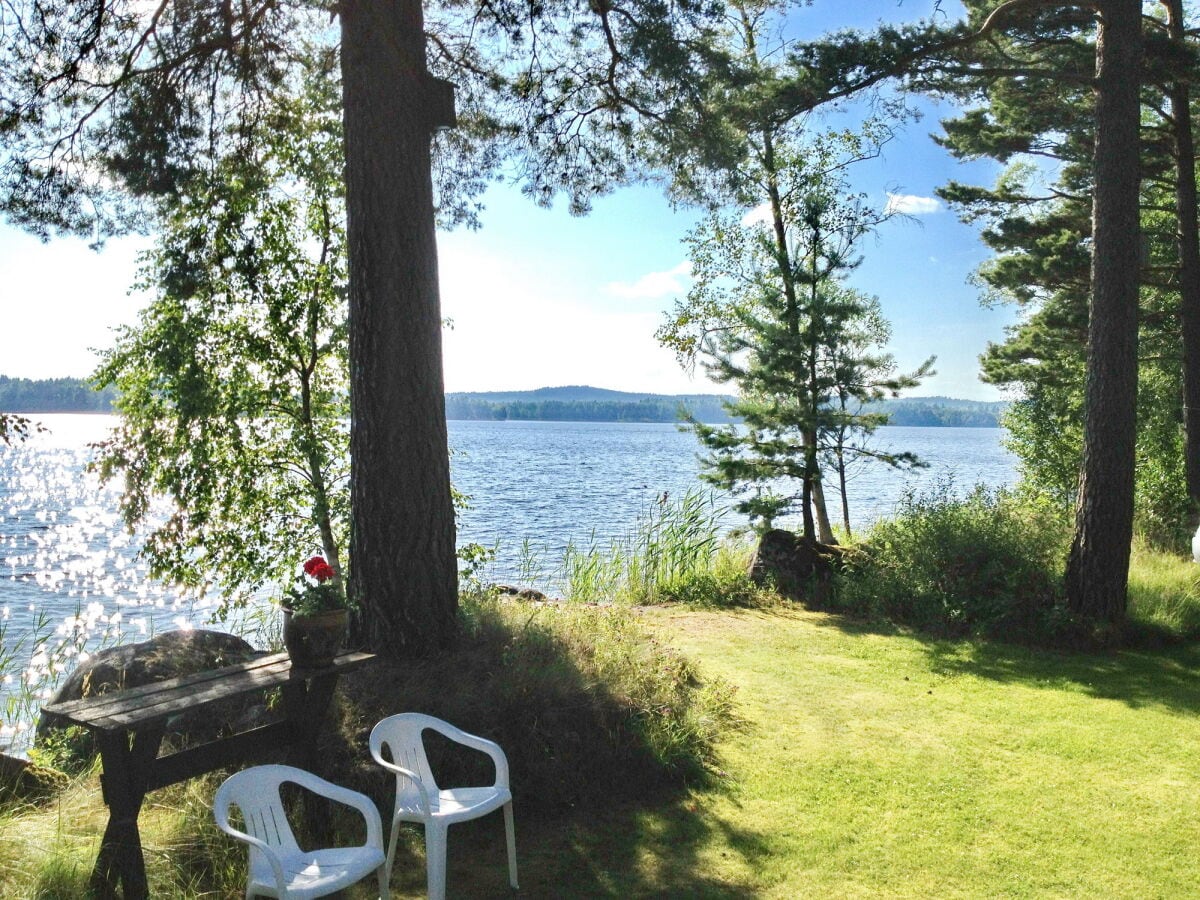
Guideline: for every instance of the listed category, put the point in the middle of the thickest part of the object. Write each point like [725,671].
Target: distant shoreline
[28,397]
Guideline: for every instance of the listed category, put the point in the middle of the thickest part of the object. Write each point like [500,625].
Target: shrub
[983,564]
[585,703]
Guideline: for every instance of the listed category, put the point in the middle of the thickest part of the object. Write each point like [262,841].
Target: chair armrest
[221,814]
[483,745]
[377,755]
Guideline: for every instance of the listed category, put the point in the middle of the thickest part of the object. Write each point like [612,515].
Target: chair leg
[435,860]
[383,873]
[391,853]
[510,832]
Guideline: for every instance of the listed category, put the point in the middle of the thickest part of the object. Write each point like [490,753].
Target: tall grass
[1164,591]
[677,552]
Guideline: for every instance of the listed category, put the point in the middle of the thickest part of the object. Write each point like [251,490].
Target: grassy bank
[873,763]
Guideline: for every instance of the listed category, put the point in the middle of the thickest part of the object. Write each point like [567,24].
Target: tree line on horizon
[78,395]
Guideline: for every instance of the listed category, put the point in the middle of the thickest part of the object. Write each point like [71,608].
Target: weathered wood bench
[129,726]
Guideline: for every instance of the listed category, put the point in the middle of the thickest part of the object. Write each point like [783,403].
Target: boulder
[23,781]
[798,568]
[169,655]
[508,590]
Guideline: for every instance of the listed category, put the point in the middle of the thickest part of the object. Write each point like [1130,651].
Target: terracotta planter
[313,641]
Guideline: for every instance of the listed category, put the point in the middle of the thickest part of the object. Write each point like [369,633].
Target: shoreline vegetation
[550,404]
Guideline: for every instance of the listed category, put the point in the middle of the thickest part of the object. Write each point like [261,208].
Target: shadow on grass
[603,729]
[1158,670]
[1167,676]
[624,851]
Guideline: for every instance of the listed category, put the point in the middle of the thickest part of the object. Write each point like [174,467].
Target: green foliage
[982,564]
[771,315]
[15,428]
[233,386]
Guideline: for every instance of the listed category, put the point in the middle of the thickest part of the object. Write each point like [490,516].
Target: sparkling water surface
[71,580]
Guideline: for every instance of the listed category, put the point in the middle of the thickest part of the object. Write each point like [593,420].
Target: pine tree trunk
[402,554]
[824,527]
[1098,565]
[1189,265]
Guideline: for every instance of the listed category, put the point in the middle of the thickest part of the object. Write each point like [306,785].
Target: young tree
[769,313]
[233,388]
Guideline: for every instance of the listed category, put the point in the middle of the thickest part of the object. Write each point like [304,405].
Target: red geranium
[319,569]
[307,598]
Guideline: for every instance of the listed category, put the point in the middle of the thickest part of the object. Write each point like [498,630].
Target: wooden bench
[129,726]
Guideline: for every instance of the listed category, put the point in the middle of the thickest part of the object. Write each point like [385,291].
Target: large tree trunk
[402,555]
[1098,565]
[1189,265]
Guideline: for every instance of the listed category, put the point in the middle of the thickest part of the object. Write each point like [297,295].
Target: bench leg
[123,781]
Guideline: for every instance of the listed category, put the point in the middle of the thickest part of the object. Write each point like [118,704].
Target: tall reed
[678,551]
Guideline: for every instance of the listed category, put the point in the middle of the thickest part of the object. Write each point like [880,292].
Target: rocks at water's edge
[23,781]
[796,567]
[508,590]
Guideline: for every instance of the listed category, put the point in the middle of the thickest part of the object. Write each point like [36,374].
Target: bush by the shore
[982,565]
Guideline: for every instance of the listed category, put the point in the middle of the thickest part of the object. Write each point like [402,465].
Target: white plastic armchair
[419,799]
[278,867]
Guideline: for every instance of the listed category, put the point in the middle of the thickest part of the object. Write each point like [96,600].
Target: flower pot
[313,641]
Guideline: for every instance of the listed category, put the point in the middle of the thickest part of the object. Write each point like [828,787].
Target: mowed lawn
[875,763]
[872,763]
[880,764]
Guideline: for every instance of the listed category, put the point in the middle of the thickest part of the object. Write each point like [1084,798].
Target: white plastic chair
[278,867]
[419,799]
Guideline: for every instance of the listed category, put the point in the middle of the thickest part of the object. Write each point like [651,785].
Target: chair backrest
[400,739]
[255,792]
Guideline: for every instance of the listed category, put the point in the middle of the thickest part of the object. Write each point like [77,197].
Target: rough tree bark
[1098,564]
[403,568]
[1189,263]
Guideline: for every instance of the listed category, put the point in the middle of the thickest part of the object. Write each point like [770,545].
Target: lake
[71,579]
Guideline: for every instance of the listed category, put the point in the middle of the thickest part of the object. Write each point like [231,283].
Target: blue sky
[539,297]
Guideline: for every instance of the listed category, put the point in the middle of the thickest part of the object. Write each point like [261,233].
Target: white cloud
[912,205]
[517,328]
[654,284]
[760,215]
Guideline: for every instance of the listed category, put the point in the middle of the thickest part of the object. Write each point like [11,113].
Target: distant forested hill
[25,395]
[557,404]
[943,411]
[584,404]
[589,404]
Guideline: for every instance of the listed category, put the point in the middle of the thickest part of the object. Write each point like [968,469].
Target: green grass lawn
[872,764]
[878,764]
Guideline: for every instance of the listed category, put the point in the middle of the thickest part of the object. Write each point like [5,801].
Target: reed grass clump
[678,552]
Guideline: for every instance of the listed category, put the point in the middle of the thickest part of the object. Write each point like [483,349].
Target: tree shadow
[627,850]
[599,812]
[1152,670]
[1166,677]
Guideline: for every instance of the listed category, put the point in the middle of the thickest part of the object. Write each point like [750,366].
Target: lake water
[70,579]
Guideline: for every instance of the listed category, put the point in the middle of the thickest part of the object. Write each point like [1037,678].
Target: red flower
[318,569]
